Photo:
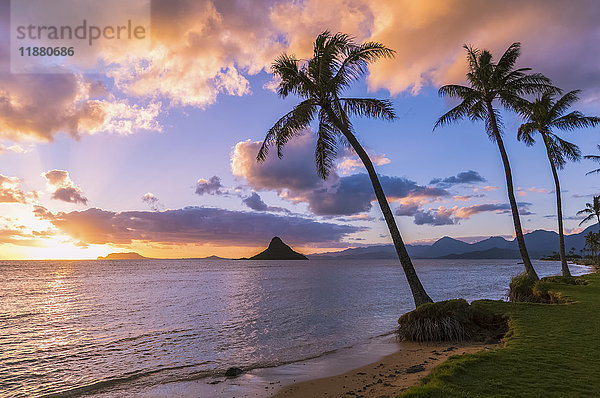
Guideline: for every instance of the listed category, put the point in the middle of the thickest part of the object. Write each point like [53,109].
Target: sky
[154,151]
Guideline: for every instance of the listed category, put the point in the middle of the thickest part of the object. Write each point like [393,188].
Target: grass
[551,350]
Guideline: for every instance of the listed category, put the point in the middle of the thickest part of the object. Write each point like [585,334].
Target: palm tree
[542,116]
[592,242]
[490,82]
[595,158]
[337,62]
[592,210]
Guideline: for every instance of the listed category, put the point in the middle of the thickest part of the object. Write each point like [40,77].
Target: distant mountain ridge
[539,243]
[123,256]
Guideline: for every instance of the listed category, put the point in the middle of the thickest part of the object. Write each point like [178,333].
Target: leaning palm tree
[491,82]
[337,62]
[591,210]
[543,116]
[595,158]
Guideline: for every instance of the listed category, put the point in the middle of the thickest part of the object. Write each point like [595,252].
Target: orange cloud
[11,191]
[203,49]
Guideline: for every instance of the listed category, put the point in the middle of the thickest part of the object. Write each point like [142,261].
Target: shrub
[451,320]
[521,289]
[524,289]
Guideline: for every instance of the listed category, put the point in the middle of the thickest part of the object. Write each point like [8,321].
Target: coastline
[388,376]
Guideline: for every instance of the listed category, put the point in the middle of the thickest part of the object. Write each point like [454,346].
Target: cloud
[203,49]
[37,107]
[212,186]
[14,233]
[465,177]
[407,210]
[194,225]
[443,27]
[152,201]
[538,190]
[466,198]
[440,216]
[15,148]
[11,191]
[63,188]
[255,202]
[350,161]
[449,216]
[294,177]
[488,188]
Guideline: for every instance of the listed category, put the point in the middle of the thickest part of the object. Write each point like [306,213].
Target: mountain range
[539,243]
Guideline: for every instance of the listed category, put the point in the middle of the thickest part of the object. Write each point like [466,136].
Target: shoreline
[267,381]
[388,376]
[355,369]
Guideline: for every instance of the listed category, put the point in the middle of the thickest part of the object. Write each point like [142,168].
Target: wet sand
[388,376]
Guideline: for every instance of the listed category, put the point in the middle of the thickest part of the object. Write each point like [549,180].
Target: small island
[123,256]
[278,250]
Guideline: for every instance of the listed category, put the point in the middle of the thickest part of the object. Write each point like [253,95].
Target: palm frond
[563,103]
[356,60]
[588,218]
[526,133]
[575,120]
[326,148]
[506,63]
[455,114]
[533,83]
[369,107]
[290,125]
[560,150]
[595,158]
[293,80]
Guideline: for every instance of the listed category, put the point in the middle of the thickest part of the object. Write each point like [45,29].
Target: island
[278,250]
[123,256]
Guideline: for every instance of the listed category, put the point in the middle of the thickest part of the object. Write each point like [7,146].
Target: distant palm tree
[337,62]
[592,210]
[592,242]
[595,158]
[542,116]
[490,82]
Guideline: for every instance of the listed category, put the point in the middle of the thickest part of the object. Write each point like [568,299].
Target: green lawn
[551,351]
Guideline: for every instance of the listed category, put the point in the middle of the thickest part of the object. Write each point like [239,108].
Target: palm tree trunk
[418,291]
[561,234]
[511,195]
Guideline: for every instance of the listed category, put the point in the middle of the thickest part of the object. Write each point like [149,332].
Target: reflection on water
[119,326]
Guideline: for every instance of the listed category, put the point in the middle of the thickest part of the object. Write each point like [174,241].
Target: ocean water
[69,328]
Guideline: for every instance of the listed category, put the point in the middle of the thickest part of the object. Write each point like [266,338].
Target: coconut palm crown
[337,62]
[490,82]
[544,116]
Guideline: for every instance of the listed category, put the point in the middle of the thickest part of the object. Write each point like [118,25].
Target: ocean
[119,328]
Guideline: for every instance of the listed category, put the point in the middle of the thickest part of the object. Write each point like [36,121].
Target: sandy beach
[386,377]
